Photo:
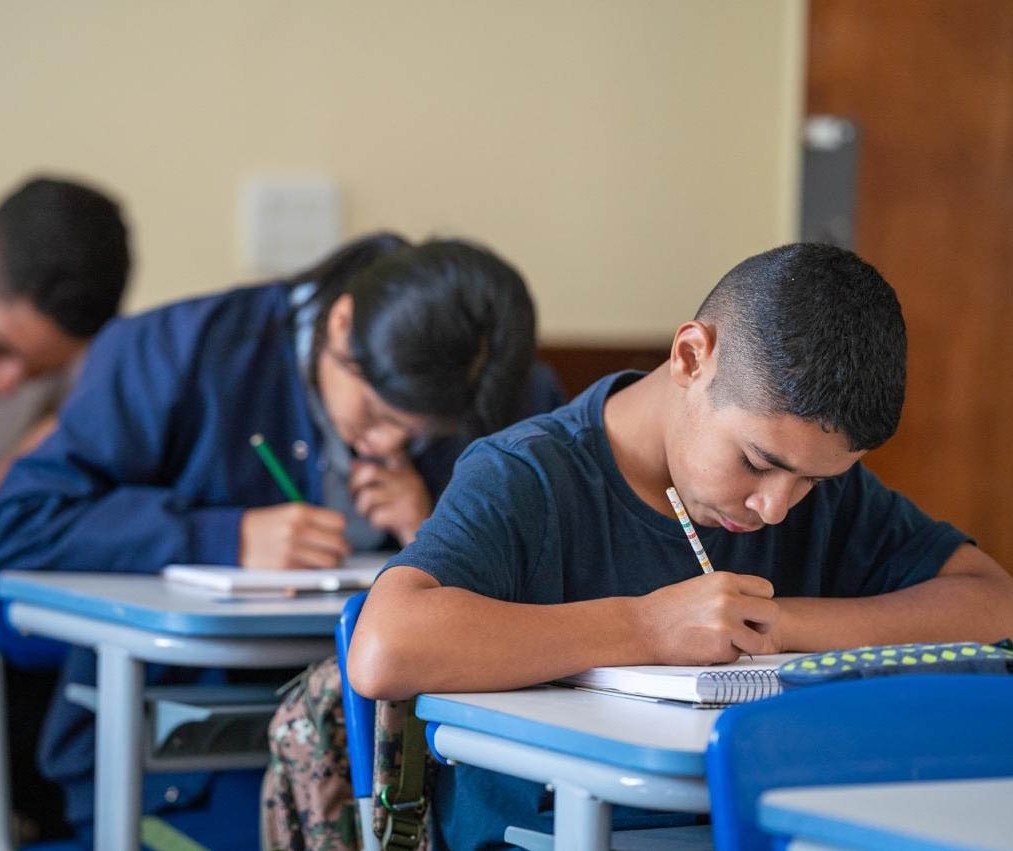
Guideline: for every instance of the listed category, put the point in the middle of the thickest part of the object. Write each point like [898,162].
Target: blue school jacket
[151,464]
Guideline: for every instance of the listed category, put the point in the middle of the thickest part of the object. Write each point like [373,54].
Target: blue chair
[360,720]
[887,729]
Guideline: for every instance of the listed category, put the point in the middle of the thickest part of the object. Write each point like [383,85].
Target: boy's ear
[693,352]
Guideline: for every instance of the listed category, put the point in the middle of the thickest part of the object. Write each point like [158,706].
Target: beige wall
[623,153]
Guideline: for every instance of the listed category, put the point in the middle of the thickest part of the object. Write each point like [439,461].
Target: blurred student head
[419,339]
[64,264]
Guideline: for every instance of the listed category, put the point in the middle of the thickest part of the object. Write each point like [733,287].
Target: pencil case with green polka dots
[964,657]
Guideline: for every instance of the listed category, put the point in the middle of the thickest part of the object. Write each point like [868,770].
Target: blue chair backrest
[887,729]
[360,713]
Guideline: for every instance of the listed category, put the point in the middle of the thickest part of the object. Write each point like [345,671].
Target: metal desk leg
[582,822]
[118,749]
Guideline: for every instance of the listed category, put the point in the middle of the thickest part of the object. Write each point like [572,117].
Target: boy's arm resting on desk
[971,599]
[415,635]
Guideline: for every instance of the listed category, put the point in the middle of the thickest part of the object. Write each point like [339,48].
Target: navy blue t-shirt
[539,513]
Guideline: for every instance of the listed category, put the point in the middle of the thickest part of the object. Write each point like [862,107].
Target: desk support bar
[582,822]
[630,788]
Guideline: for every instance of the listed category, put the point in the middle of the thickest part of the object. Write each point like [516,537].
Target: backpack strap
[400,799]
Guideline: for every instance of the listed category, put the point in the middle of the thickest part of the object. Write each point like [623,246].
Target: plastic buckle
[402,829]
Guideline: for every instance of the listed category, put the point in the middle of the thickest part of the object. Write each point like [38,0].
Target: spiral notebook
[711,685]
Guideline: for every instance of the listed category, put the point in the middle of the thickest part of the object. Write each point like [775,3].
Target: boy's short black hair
[64,248]
[813,331]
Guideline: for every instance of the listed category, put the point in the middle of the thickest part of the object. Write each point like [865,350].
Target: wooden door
[930,85]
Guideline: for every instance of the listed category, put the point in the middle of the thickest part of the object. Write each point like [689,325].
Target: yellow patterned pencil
[687,527]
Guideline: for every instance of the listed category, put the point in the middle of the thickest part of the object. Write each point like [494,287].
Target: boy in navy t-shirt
[555,548]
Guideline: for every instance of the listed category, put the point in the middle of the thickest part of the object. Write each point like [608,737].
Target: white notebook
[711,685]
[357,572]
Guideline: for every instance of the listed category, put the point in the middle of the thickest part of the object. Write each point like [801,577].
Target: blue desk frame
[132,619]
[594,749]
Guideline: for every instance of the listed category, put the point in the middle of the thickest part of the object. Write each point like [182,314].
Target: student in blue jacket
[555,549]
[367,377]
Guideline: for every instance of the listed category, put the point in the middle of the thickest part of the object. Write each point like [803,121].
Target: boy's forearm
[957,605]
[449,639]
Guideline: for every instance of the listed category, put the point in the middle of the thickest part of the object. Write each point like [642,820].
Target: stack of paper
[359,571]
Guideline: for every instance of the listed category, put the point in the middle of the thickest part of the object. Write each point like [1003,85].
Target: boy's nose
[771,502]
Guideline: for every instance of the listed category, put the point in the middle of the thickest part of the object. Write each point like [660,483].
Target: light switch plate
[288,224]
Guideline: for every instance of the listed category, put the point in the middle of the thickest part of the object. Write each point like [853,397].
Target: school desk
[132,619]
[595,750]
[926,816]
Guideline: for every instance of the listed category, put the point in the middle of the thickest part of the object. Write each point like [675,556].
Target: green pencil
[274,468]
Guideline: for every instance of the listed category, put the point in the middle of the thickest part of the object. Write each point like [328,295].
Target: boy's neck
[634,424]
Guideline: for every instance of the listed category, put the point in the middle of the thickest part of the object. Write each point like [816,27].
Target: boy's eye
[752,468]
[812,481]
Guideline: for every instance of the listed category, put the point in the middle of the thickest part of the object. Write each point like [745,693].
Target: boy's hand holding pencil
[734,615]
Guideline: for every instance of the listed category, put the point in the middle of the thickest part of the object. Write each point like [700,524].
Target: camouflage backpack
[308,800]
[403,776]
